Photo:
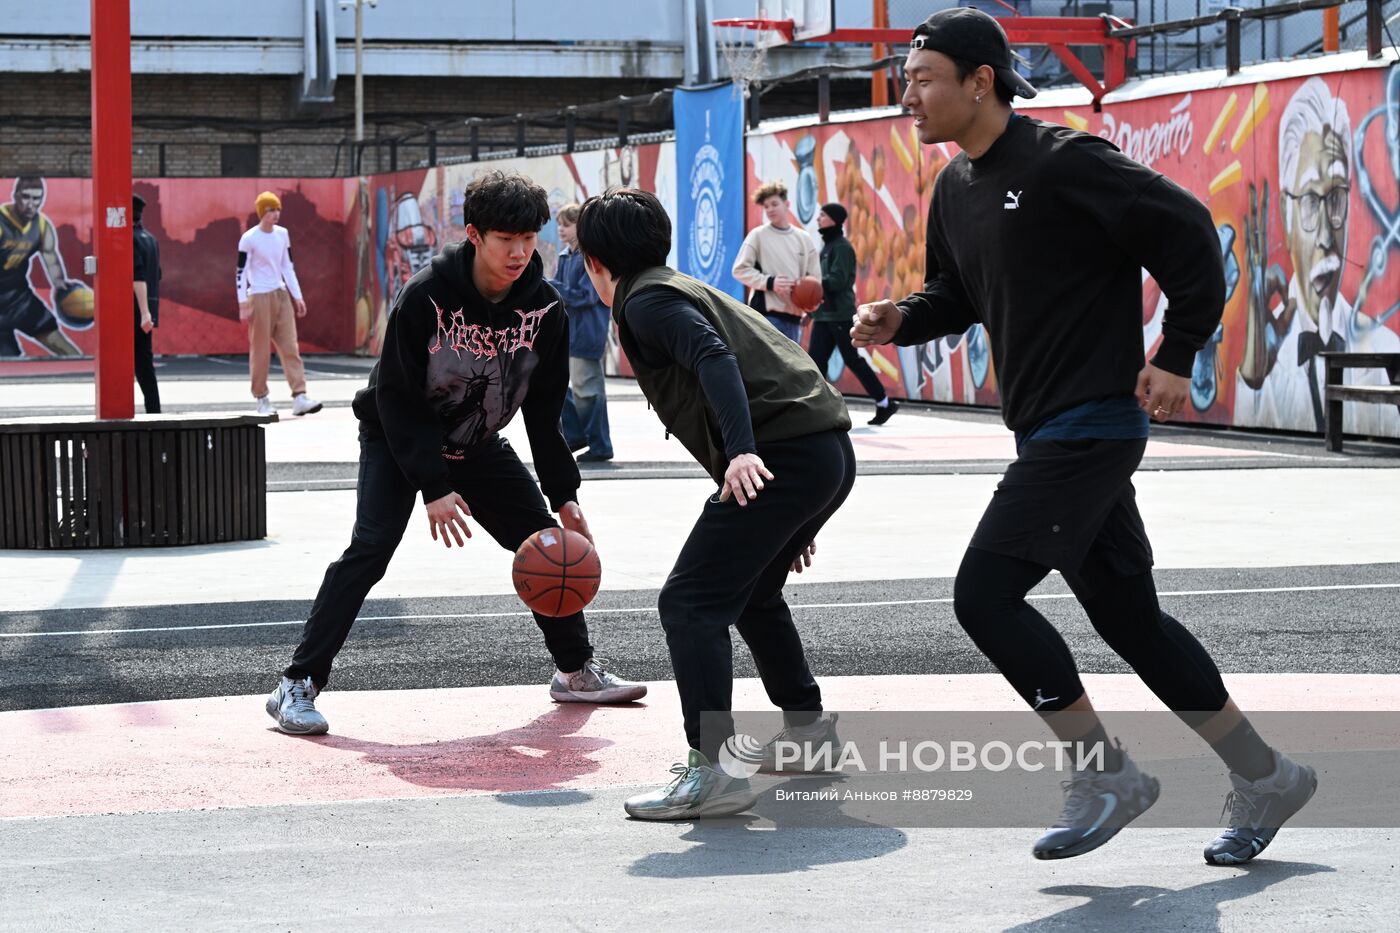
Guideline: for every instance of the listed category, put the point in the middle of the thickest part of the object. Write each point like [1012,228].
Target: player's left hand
[300,306]
[571,517]
[1160,393]
[804,558]
[744,478]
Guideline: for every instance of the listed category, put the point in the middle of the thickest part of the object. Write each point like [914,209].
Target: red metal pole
[111,206]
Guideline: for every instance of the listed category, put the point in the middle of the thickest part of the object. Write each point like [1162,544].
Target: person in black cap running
[1039,233]
[831,328]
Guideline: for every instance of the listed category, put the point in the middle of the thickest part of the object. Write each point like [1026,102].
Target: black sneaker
[1259,808]
[885,413]
[1097,805]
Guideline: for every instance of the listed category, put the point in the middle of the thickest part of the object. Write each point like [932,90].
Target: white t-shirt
[265,263]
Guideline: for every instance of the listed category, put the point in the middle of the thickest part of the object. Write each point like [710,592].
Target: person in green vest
[755,411]
[831,322]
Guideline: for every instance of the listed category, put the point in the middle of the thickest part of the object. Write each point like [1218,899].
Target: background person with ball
[775,257]
[754,410]
[475,337]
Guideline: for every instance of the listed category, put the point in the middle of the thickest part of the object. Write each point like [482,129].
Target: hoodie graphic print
[456,368]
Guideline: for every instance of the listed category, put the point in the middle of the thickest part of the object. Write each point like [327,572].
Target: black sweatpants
[1070,506]
[146,370]
[504,501]
[836,335]
[731,571]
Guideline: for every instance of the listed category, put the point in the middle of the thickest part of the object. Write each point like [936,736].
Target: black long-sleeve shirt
[455,368]
[669,329]
[1042,239]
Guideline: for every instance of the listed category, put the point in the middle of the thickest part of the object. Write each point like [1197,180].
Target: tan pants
[274,323]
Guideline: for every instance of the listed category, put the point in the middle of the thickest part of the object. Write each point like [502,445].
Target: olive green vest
[788,396]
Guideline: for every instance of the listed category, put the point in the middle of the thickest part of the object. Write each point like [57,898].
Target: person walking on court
[774,256]
[268,291]
[1040,233]
[752,408]
[831,322]
[585,416]
[146,284]
[474,338]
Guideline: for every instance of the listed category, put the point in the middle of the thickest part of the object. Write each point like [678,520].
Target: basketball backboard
[811,19]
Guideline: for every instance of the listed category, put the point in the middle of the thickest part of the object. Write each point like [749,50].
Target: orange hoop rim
[782,26]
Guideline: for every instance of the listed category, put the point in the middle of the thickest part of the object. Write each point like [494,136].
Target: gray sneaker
[592,684]
[293,705]
[1259,808]
[818,747]
[1097,805]
[698,791]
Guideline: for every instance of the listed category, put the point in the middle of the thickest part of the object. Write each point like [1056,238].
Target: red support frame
[1056,32]
[111,207]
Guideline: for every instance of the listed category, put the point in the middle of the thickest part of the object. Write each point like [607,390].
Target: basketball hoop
[744,44]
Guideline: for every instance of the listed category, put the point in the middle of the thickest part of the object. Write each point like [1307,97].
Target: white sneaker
[592,684]
[302,405]
[293,705]
[265,406]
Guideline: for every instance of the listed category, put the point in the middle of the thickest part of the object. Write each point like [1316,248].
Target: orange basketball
[807,293]
[556,572]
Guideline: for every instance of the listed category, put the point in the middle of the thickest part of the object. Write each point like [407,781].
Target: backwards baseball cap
[971,36]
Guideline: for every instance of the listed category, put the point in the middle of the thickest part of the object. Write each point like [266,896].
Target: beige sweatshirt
[790,252]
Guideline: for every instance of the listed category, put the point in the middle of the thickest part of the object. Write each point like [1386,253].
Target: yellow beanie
[267,201]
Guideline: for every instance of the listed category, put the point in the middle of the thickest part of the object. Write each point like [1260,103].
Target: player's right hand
[782,285]
[744,478]
[875,323]
[450,515]
[245,310]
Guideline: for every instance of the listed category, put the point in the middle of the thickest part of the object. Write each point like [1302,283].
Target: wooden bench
[152,481]
[1338,393]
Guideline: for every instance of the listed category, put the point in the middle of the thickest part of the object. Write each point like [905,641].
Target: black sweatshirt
[1042,239]
[455,368]
[670,329]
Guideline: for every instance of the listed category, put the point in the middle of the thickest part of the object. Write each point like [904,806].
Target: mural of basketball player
[24,233]
[1284,389]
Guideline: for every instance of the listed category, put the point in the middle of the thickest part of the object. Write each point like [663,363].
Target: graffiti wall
[400,220]
[1302,177]
[46,230]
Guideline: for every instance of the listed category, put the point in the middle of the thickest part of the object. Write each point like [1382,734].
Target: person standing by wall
[267,292]
[146,284]
[774,256]
[831,322]
[585,415]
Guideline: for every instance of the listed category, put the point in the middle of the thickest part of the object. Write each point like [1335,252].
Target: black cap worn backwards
[974,37]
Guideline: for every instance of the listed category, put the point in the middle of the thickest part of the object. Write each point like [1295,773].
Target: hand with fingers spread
[571,517]
[1160,393]
[449,514]
[744,478]
[804,557]
[875,324]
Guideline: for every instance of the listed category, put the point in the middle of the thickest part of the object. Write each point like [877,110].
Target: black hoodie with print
[455,368]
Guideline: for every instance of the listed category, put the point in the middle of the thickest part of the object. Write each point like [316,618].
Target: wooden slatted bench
[152,481]
[1338,393]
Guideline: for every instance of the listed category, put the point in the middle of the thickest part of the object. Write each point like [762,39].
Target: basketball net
[745,53]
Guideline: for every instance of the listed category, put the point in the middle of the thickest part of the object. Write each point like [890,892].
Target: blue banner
[709,185]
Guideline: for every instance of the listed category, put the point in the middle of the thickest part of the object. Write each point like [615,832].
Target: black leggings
[989,597]
[836,335]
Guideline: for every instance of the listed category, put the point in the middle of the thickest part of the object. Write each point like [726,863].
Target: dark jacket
[455,368]
[146,253]
[788,396]
[589,319]
[838,280]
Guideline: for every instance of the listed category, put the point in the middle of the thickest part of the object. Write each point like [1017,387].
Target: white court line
[862,605]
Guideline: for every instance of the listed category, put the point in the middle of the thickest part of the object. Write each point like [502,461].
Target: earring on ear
[979,98]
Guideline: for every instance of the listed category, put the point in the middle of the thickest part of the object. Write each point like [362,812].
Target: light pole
[359,6]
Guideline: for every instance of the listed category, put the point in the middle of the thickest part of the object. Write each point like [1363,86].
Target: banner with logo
[709,184]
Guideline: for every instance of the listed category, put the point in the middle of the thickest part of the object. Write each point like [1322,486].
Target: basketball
[807,293]
[556,572]
[75,305]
